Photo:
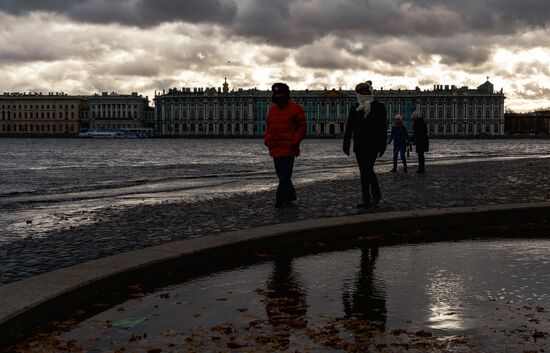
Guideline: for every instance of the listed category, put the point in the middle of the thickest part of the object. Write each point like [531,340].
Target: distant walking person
[400,137]
[367,126]
[286,128]
[420,138]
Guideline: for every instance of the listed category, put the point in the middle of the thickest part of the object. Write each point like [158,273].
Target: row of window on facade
[469,102]
[469,128]
[210,128]
[332,115]
[112,106]
[460,114]
[112,115]
[336,101]
[115,126]
[211,102]
[37,115]
[38,128]
[229,114]
[193,128]
[53,106]
[183,114]
[329,128]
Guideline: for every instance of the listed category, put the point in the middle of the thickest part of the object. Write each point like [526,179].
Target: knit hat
[364,88]
[280,87]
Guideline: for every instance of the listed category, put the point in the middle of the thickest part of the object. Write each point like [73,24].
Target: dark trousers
[421,161]
[399,150]
[368,177]
[285,192]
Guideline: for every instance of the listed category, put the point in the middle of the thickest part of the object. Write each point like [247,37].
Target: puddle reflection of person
[285,302]
[367,300]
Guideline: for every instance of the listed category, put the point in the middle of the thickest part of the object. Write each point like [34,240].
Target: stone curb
[30,302]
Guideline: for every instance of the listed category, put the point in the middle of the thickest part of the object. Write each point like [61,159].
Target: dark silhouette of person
[420,138]
[367,126]
[286,128]
[367,301]
[285,302]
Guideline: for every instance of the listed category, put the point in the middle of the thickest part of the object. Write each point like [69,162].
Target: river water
[44,181]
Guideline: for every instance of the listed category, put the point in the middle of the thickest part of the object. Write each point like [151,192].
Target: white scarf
[364,102]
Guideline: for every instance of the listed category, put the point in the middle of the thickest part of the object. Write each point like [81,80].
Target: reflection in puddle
[474,296]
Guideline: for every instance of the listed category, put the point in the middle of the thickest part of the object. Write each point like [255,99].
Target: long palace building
[448,110]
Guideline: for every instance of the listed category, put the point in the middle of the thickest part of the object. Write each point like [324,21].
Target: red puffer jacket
[286,127]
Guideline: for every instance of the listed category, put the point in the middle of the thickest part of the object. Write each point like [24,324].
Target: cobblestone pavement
[121,230]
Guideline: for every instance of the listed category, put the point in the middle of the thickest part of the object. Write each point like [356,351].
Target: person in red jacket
[286,128]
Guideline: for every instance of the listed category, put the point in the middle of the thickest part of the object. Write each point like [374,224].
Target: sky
[91,46]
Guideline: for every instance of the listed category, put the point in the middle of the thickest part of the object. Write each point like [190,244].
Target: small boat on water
[102,134]
[112,134]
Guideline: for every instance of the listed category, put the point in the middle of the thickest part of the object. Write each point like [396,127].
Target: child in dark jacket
[400,137]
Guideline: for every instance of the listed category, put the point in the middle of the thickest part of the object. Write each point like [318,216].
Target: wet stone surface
[471,296]
[123,229]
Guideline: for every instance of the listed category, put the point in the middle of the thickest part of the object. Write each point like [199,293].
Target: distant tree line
[530,123]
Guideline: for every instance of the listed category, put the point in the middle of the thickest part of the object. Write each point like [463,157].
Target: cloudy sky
[87,46]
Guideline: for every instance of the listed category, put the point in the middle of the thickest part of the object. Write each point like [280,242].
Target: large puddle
[468,296]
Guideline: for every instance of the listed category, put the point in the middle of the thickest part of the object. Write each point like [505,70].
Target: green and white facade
[448,110]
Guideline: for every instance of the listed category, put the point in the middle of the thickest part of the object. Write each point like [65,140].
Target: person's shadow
[367,300]
[285,302]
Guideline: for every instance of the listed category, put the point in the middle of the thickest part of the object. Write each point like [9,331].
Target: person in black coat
[367,298]
[420,138]
[367,126]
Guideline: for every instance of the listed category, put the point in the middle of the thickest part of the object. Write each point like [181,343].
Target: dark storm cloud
[472,50]
[272,22]
[459,31]
[325,57]
[26,54]
[495,16]
[295,22]
[395,31]
[142,13]
[19,7]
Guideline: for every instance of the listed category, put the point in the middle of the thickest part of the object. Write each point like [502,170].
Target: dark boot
[364,204]
[421,162]
[394,164]
[405,165]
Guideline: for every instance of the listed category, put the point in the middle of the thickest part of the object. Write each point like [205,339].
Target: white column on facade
[318,113]
[502,116]
[484,115]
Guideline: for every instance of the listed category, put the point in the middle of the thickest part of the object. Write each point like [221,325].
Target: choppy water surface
[53,180]
[471,296]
